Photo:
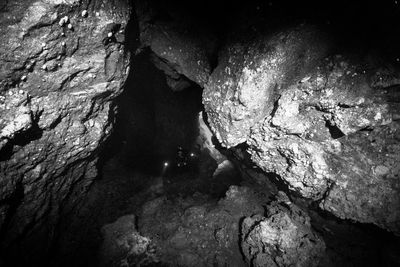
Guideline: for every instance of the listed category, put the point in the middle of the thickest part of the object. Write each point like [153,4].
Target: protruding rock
[326,125]
[183,51]
[46,159]
[283,238]
[122,244]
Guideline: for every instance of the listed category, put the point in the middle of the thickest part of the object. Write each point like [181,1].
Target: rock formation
[327,125]
[196,231]
[283,238]
[62,63]
[325,122]
[290,109]
[123,245]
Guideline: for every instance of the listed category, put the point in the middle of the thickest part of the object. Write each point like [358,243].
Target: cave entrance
[143,161]
[161,133]
[153,121]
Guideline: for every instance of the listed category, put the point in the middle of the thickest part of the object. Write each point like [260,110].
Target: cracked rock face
[283,238]
[180,51]
[195,231]
[59,71]
[328,126]
[123,245]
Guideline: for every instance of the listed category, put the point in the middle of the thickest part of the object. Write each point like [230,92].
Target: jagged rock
[243,87]
[327,125]
[123,245]
[182,52]
[195,231]
[282,238]
[56,86]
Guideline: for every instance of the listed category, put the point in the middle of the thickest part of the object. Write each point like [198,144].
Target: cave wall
[62,62]
[303,111]
[326,124]
[307,92]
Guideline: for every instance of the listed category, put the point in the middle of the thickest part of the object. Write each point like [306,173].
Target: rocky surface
[62,62]
[327,125]
[315,112]
[198,231]
[195,231]
[282,238]
[123,245]
[182,50]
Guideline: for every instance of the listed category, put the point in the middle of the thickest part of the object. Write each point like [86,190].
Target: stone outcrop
[61,64]
[283,238]
[181,51]
[196,231]
[123,245]
[326,124]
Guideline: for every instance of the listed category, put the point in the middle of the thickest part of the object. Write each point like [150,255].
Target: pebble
[23,78]
[63,44]
[44,67]
[21,92]
[63,21]
[70,26]
[110,34]
[28,67]
[84,13]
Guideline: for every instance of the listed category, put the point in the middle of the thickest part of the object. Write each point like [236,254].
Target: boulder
[122,244]
[283,238]
[325,123]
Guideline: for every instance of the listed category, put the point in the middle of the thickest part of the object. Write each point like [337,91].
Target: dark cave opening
[153,121]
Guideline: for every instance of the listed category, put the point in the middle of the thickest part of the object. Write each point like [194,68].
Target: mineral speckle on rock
[197,232]
[47,145]
[123,245]
[309,119]
[182,52]
[283,238]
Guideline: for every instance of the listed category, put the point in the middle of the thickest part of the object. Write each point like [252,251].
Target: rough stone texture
[198,231]
[123,245]
[56,86]
[328,126]
[195,231]
[282,238]
[182,52]
[243,86]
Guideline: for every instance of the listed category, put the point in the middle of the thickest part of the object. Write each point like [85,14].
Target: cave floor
[122,190]
[109,198]
[187,215]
